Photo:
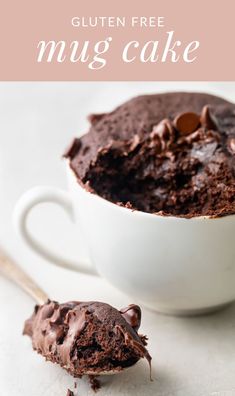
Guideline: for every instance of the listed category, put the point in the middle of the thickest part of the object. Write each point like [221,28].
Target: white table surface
[191,356]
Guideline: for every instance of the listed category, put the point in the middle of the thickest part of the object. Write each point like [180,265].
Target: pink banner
[117,40]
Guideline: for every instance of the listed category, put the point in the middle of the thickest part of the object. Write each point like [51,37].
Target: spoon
[14,273]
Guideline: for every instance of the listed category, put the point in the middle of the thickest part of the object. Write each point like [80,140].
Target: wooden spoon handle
[13,272]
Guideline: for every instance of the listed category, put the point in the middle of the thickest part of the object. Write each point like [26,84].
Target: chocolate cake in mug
[171,154]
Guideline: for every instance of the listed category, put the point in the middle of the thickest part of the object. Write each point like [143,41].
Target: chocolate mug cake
[171,154]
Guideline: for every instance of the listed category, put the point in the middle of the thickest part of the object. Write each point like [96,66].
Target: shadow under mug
[169,264]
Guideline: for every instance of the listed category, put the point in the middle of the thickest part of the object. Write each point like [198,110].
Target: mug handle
[36,196]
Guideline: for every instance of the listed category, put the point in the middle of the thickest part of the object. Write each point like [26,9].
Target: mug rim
[135,211]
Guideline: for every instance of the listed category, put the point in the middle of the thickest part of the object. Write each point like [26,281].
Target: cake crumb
[94,382]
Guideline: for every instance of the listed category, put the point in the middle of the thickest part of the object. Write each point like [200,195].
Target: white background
[191,356]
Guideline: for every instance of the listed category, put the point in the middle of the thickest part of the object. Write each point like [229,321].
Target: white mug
[169,264]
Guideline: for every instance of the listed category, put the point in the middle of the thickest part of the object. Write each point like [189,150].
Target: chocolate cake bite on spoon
[87,337]
[84,338]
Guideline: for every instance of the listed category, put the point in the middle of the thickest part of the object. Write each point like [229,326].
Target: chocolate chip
[134,142]
[132,314]
[231,145]
[207,119]
[186,123]
[165,131]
